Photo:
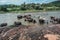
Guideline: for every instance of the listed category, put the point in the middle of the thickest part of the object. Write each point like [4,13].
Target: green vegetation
[32,7]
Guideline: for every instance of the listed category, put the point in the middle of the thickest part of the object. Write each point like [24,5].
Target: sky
[18,2]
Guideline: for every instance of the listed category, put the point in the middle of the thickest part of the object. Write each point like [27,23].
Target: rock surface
[30,33]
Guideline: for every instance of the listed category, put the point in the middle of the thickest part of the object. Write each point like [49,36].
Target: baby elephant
[31,20]
[17,23]
[3,24]
[41,21]
[19,16]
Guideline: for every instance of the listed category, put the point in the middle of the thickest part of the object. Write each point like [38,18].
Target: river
[11,17]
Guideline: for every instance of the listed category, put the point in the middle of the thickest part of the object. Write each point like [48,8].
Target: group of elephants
[55,20]
[29,19]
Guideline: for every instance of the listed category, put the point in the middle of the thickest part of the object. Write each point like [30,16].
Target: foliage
[32,6]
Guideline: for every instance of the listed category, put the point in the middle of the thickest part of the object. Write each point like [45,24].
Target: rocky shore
[30,32]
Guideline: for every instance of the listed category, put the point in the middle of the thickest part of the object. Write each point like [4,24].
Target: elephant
[41,21]
[30,20]
[3,24]
[17,23]
[55,20]
[19,16]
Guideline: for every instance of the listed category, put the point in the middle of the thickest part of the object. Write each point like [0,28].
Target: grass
[32,11]
[27,11]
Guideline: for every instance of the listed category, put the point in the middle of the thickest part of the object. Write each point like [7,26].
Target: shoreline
[28,11]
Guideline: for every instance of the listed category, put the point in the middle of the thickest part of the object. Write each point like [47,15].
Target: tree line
[32,6]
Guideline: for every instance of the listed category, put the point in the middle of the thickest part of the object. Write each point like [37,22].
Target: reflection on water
[11,17]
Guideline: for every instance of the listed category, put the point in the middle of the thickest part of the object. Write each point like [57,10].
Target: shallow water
[11,17]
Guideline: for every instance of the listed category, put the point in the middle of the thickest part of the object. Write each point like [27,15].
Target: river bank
[28,11]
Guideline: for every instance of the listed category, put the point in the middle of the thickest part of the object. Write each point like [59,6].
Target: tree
[38,7]
[4,9]
[23,6]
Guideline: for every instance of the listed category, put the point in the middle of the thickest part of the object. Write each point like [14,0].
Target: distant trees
[3,9]
[23,6]
[32,6]
[38,7]
[48,6]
